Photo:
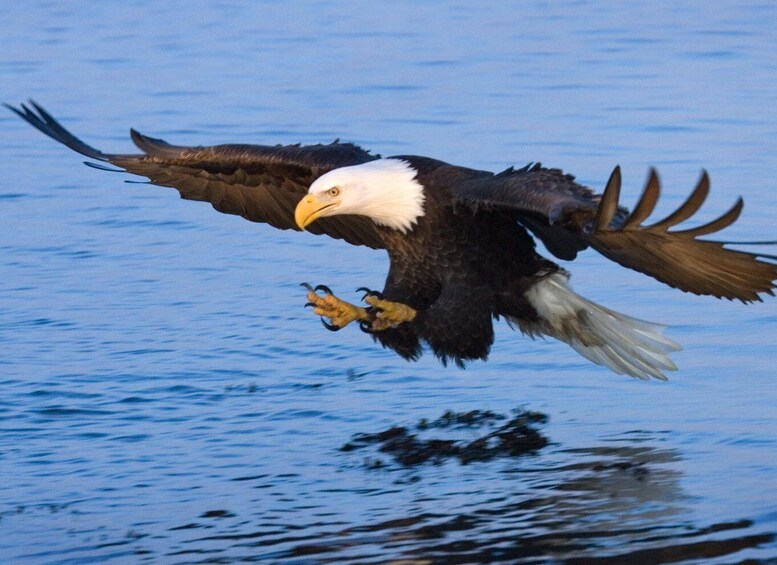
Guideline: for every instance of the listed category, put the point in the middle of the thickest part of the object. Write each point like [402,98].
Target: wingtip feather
[678,258]
[609,202]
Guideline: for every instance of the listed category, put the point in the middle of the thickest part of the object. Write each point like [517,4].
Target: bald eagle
[459,241]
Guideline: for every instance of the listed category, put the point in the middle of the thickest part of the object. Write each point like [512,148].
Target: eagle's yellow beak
[310,208]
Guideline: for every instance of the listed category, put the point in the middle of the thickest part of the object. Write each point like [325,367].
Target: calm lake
[164,395]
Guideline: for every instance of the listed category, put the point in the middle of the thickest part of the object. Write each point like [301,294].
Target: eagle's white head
[384,190]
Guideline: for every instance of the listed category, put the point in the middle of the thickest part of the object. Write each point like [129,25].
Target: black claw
[368,292]
[309,304]
[307,286]
[366,327]
[331,327]
[323,288]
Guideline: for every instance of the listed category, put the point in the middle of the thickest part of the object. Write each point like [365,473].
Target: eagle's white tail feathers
[624,344]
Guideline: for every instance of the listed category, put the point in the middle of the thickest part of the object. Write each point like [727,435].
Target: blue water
[164,396]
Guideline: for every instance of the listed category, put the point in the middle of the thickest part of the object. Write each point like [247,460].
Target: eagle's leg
[339,312]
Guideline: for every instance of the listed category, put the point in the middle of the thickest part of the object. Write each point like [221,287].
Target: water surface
[166,398]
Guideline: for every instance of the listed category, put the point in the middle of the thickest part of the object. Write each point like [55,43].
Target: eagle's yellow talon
[386,314]
[390,313]
[339,312]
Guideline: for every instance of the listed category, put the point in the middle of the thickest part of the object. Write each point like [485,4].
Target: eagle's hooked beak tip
[310,208]
[305,212]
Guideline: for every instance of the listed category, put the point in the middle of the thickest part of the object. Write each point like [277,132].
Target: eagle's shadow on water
[496,436]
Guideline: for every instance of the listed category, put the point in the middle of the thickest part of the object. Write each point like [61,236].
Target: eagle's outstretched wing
[569,217]
[261,183]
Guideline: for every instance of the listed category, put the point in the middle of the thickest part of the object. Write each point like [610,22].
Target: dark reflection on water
[619,504]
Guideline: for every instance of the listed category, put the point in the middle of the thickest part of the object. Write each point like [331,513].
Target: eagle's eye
[333,192]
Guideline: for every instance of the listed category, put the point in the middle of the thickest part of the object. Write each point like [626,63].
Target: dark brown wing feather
[569,217]
[260,183]
[544,200]
[533,189]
